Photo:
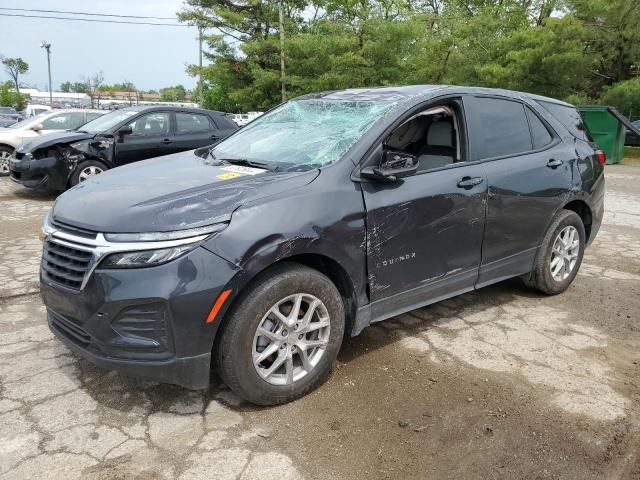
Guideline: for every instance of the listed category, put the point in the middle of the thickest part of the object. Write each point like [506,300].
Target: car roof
[414,92]
[171,108]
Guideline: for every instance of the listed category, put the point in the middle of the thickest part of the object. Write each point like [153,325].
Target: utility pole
[282,83]
[200,84]
[47,47]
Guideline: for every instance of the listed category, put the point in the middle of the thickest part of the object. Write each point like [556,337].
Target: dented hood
[49,139]
[168,193]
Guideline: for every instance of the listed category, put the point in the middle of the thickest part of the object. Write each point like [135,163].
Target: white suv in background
[48,122]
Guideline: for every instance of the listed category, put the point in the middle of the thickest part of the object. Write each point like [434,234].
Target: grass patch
[632,155]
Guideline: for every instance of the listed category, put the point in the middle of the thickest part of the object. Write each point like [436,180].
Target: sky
[151,57]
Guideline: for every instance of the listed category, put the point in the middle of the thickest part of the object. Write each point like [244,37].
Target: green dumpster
[608,129]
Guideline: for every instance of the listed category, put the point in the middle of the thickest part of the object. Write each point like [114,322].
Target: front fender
[327,224]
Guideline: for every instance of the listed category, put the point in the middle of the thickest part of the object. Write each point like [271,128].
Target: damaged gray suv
[330,212]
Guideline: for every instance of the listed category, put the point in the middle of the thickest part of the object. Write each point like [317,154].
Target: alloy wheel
[291,339]
[564,254]
[4,162]
[88,172]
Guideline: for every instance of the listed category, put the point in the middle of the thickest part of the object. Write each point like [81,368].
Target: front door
[424,232]
[150,136]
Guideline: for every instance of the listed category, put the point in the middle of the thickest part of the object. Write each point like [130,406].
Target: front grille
[65,227]
[69,329]
[65,265]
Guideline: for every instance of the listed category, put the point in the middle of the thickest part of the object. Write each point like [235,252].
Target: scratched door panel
[423,229]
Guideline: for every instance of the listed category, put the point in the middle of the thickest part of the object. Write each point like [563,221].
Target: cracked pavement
[499,383]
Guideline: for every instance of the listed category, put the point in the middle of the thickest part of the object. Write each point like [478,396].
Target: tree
[93,84]
[625,96]
[173,94]
[15,67]
[11,98]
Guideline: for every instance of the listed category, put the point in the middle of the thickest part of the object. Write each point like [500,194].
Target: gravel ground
[499,383]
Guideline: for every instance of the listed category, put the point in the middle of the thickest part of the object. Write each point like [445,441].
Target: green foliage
[568,49]
[14,68]
[625,96]
[74,87]
[173,94]
[10,98]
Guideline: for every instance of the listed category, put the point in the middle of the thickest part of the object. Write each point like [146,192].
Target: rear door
[194,130]
[150,136]
[528,170]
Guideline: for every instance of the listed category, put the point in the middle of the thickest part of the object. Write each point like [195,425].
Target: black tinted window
[503,127]
[570,118]
[539,131]
[192,123]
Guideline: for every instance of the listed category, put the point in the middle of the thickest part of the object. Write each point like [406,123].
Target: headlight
[146,258]
[162,236]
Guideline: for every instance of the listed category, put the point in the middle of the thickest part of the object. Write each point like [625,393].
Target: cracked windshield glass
[303,134]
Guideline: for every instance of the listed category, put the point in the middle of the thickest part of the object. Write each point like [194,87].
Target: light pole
[47,47]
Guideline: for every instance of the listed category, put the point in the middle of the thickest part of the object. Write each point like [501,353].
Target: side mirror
[37,127]
[394,165]
[125,131]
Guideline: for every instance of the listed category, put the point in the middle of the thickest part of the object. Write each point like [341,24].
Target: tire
[85,167]
[5,153]
[236,343]
[543,277]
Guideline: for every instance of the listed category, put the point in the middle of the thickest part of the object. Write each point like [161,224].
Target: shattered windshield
[303,133]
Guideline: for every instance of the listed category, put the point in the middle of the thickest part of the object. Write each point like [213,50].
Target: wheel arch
[584,212]
[6,145]
[317,261]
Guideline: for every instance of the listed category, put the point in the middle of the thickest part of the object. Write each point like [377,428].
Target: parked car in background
[9,116]
[57,162]
[631,139]
[33,110]
[241,119]
[333,211]
[36,127]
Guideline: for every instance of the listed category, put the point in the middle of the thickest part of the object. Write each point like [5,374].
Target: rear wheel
[560,255]
[85,170]
[282,337]
[5,154]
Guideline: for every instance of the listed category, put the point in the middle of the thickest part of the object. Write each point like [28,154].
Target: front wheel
[85,170]
[280,340]
[5,155]
[560,255]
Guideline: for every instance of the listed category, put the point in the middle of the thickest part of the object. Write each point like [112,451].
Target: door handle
[167,141]
[554,163]
[469,182]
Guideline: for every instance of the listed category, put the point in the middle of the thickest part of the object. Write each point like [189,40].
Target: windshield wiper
[250,163]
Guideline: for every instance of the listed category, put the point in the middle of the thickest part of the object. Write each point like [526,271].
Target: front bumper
[46,173]
[148,322]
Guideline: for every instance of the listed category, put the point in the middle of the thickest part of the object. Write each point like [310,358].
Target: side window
[570,118]
[501,127]
[92,116]
[192,123]
[150,125]
[432,136]
[539,132]
[63,121]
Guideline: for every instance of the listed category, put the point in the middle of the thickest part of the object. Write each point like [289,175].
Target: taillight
[602,157]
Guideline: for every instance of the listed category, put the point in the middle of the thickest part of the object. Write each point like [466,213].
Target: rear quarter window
[570,118]
[222,121]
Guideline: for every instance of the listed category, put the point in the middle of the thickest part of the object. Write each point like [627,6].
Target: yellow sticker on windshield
[228,176]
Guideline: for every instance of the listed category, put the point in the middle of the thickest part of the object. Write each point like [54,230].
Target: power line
[85,13]
[94,20]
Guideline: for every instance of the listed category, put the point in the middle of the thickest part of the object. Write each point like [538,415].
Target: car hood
[49,139]
[168,193]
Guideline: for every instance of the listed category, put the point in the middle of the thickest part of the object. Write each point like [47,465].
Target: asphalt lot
[499,383]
